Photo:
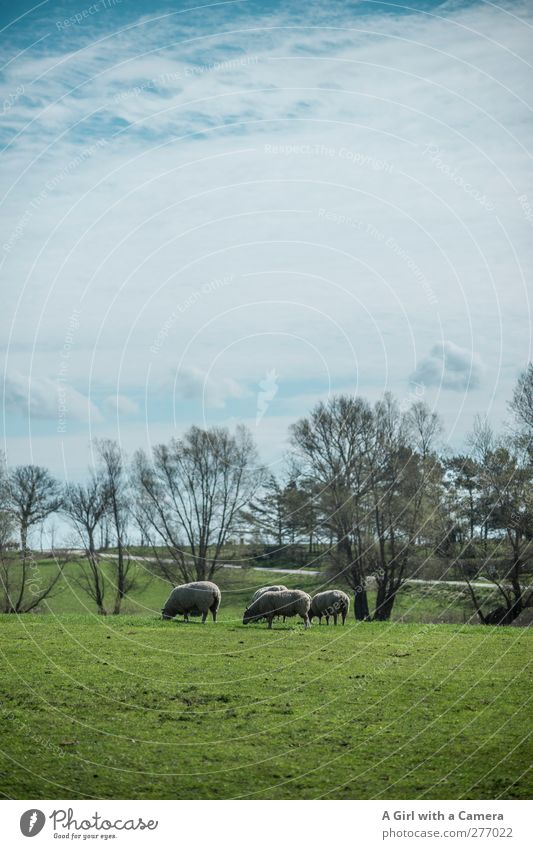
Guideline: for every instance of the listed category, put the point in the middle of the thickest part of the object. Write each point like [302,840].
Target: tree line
[368,490]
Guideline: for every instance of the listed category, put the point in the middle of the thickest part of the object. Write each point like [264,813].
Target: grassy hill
[130,706]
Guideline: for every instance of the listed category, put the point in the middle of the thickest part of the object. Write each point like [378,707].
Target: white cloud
[47,399]
[121,405]
[192,384]
[449,366]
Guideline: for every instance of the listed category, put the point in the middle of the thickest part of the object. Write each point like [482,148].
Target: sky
[225,213]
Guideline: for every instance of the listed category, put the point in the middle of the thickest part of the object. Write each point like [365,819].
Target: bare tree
[30,494]
[190,496]
[373,469]
[7,560]
[332,445]
[506,474]
[406,477]
[86,506]
[115,476]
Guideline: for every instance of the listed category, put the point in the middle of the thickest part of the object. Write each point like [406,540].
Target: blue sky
[243,206]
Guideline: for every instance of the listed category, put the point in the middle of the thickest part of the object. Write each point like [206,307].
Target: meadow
[132,707]
[415,603]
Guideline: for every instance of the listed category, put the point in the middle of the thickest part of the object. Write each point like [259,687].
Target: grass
[415,603]
[133,707]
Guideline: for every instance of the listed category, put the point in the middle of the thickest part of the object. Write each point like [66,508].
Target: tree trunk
[201,564]
[24,555]
[98,586]
[360,605]
[384,604]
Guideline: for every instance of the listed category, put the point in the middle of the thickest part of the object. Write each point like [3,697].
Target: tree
[378,477]
[464,483]
[507,476]
[267,515]
[332,445]
[522,401]
[7,531]
[283,512]
[190,497]
[406,477]
[30,494]
[117,485]
[86,506]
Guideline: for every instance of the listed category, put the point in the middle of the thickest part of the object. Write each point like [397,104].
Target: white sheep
[280,603]
[275,588]
[330,603]
[198,597]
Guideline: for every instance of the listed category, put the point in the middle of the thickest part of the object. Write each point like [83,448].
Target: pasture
[415,602]
[133,707]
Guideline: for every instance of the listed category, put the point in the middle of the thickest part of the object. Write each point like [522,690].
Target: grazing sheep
[281,603]
[195,599]
[275,588]
[330,603]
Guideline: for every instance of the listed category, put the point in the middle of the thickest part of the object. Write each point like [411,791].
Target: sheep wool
[330,603]
[278,603]
[275,588]
[195,599]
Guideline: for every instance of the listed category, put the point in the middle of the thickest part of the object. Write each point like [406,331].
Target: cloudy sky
[223,213]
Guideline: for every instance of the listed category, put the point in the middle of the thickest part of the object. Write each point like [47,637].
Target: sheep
[274,588]
[281,603]
[330,603]
[198,597]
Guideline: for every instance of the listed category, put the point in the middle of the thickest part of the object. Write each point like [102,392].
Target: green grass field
[133,707]
[414,603]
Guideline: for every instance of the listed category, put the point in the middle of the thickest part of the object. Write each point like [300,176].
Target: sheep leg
[214,614]
[335,618]
[204,617]
[343,614]
[270,620]
[307,621]
[327,618]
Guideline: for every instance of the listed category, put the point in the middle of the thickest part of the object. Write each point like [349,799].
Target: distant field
[133,707]
[414,604]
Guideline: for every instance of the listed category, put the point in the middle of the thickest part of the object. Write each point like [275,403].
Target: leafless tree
[7,560]
[86,506]
[373,468]
[116,479]
[29,495]
[190,496]
[506,473]
[406,476]
[332,445]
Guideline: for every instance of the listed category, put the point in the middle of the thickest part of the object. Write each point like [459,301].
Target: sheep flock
[200,598]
